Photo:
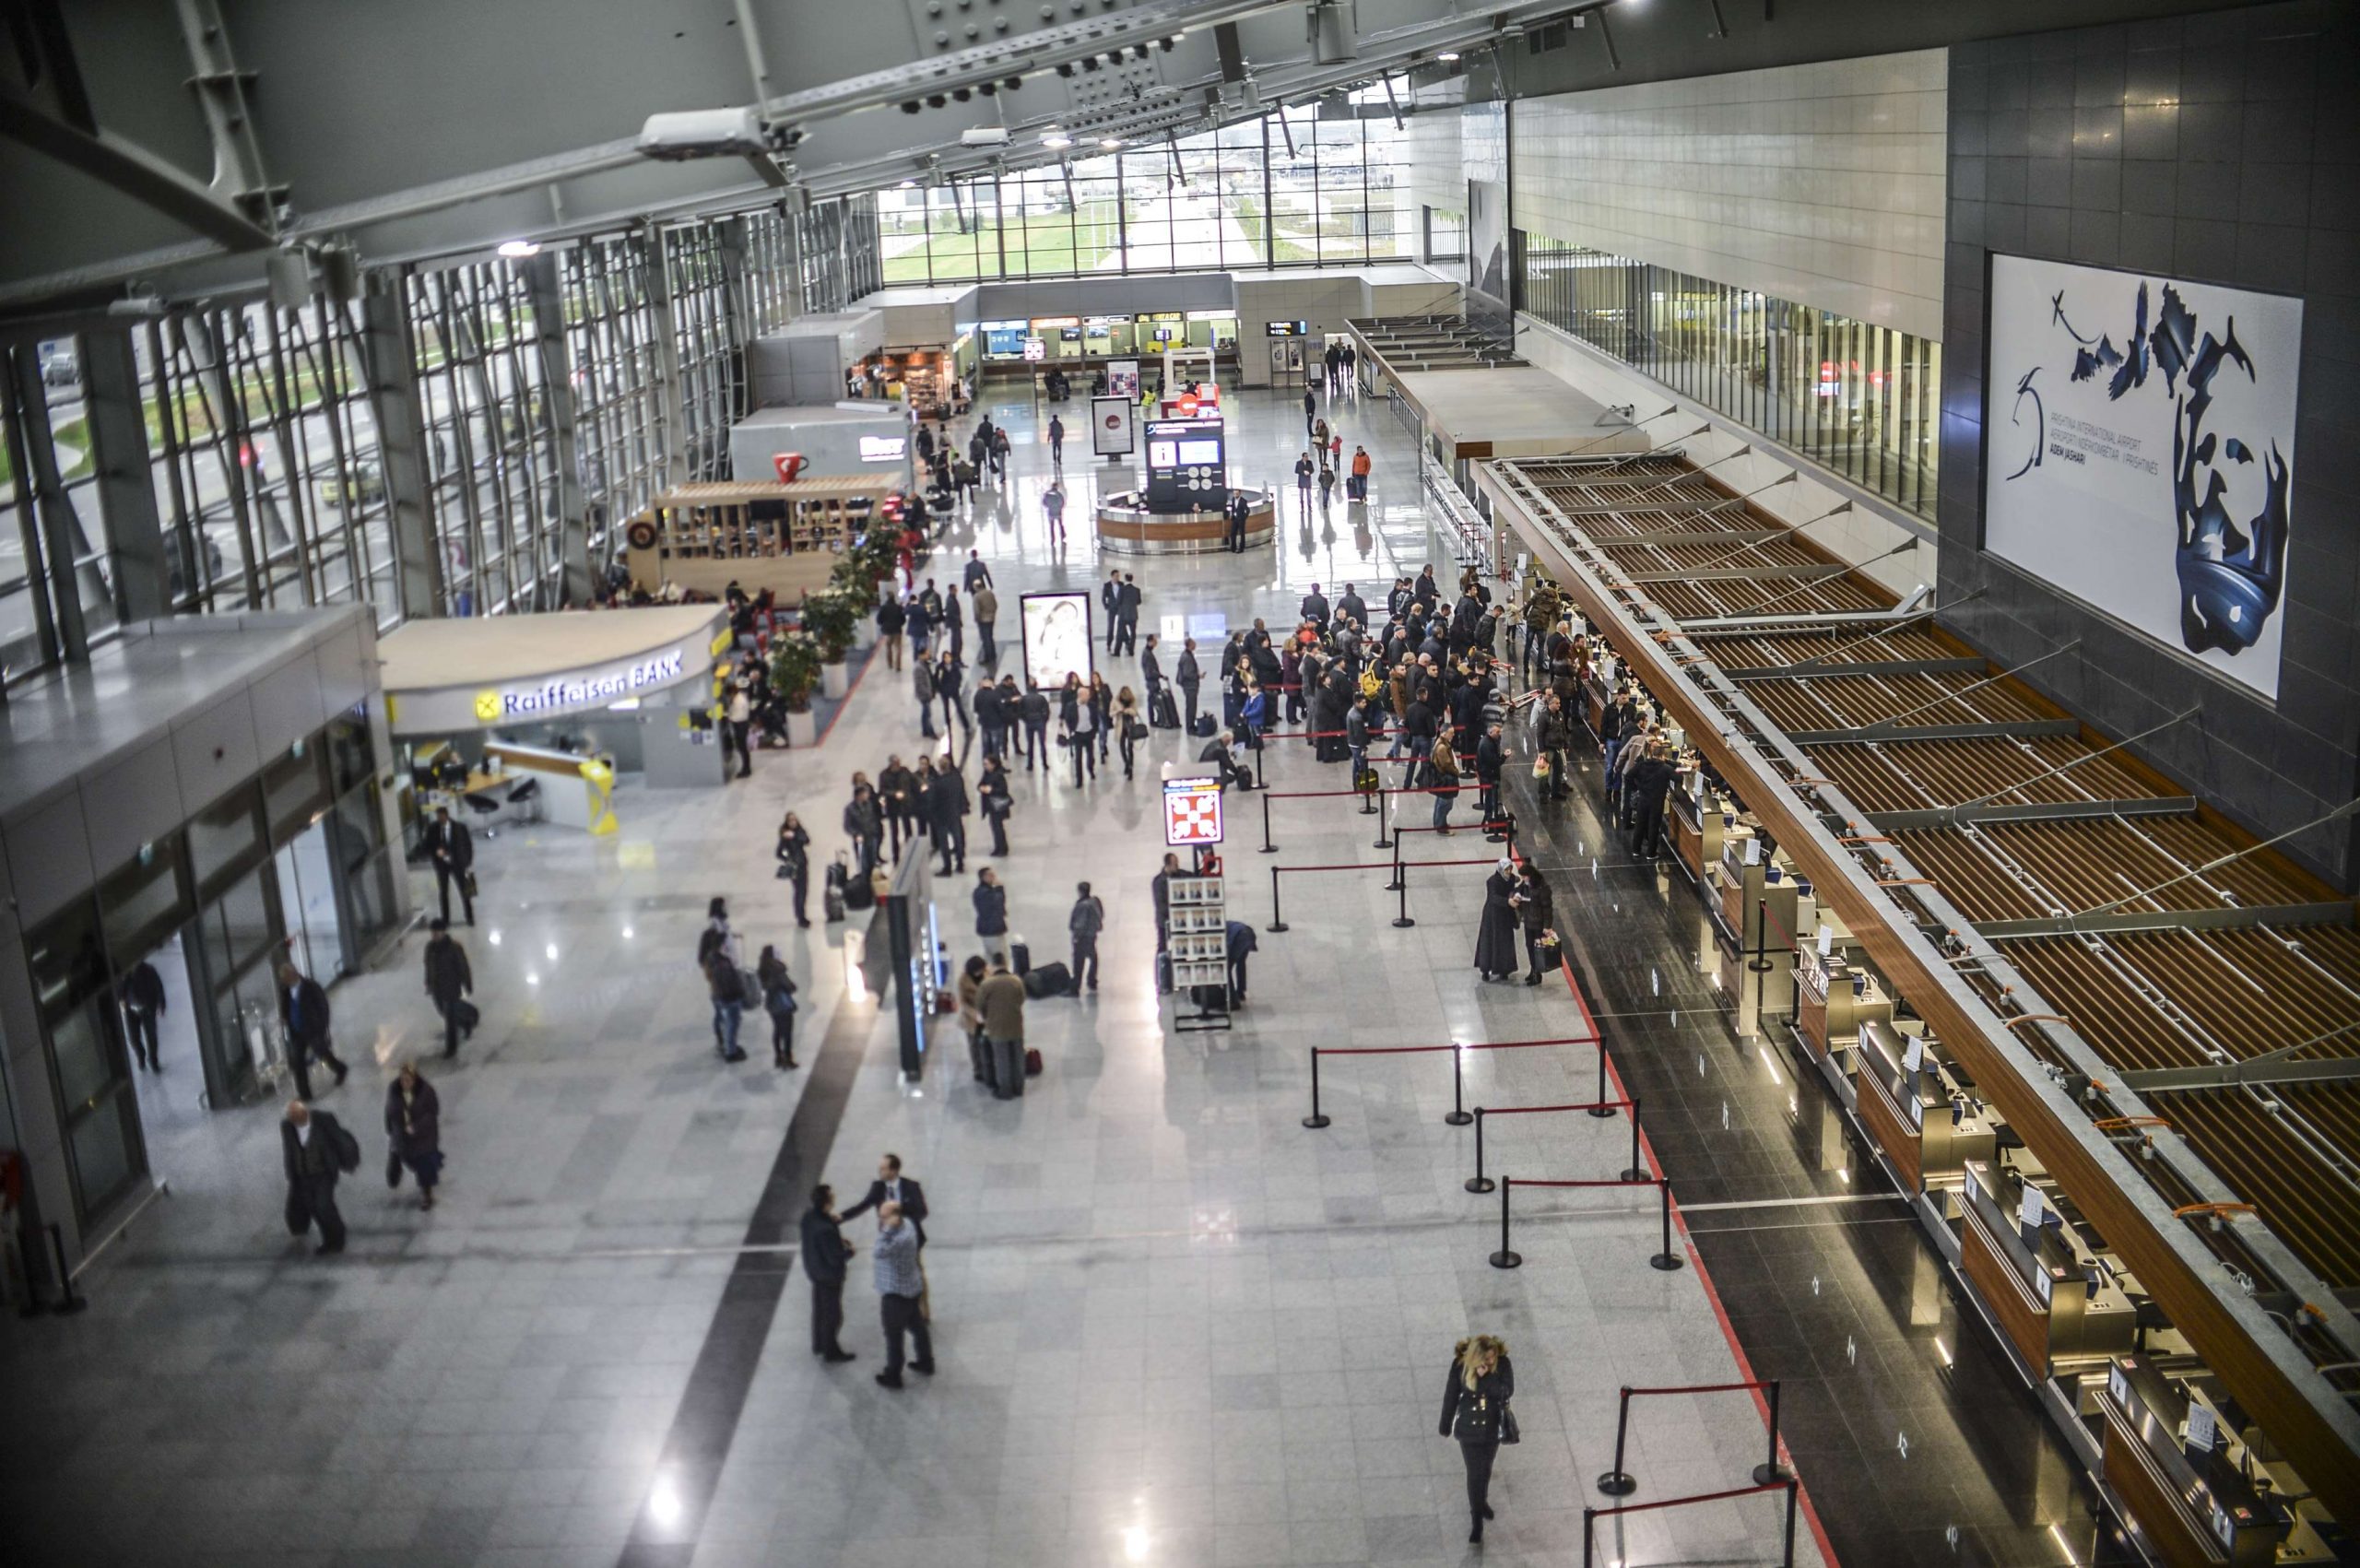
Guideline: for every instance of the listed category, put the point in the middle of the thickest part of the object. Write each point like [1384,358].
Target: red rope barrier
[1388,864]
[1536,1110]
[1677,1502]
[1536,1182]
[1332,794]
[1402,1050]
[1702,1388]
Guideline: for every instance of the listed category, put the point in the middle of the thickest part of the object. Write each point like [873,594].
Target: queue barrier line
[1620,1482]
[1459,1116]
[1601,1108]
[1791,1487]
[1400,883]
[1508,1257]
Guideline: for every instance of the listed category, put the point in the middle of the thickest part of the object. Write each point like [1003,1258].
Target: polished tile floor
[1173,1326]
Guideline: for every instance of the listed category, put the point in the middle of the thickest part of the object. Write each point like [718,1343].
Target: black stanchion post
[1267,847]
[1479,1181]
[1261,749]
[1666,1260]
[1395,885]
[1618,1482]
[1504,1258]
[1634,1172]
[1458,1117]
[1589,1538]
[1382,839]
[1760,939]
[1770,1469]
[1276,924]
[1314,1120]
[1368,798]
[67,1303]
[1794,1496]
[1403,919]
[1599,1107]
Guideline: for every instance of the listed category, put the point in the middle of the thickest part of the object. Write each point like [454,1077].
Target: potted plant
[830,616]
[794,675]
[853,580]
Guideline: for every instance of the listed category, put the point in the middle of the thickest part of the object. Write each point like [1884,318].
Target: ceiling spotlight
[989,90]
[964,95]
[1057,138]
[1110,141]
[1446,55]
[908,186]
[1065,68]
[911,107]
[1167,44]
[519,248]
[1089,61]
[1013,83]
[936,101]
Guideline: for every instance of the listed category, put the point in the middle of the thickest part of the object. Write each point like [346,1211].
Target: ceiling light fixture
[1057,138]
[519,248]
[1109,141]
[1446,55]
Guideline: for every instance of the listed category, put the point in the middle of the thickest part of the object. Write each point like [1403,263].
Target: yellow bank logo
[487,706]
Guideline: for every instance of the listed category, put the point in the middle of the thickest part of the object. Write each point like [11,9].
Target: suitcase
[1031,1062]
[1204,726]
[466,1015]
[1049,980]
[831,904]
[1164,975]
[1166,715]
[1019,954]
[860,894]
[1209,998]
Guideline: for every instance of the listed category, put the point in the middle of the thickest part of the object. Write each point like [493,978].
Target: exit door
[1286,360]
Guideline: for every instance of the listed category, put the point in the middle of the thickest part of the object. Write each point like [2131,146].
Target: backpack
[1370,682]
[347,1149]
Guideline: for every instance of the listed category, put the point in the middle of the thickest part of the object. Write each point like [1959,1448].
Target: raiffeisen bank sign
[593,688]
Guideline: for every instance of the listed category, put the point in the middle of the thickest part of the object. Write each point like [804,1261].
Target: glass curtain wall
[262,439]
[1861,399]
[1254,194]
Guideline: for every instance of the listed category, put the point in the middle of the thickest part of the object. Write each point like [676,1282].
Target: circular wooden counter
[1126,527]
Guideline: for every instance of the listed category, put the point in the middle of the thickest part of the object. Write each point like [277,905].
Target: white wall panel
[1820,183]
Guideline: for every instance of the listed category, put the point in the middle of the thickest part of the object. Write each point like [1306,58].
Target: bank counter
[537,715]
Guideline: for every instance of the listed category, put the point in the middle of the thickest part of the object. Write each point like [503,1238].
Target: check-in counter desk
[1928,1127]
[1125,526]
[1595,698]
[2044,1288]
[1832,1000]
[2194,1509]
[1697,822]
[1743,888]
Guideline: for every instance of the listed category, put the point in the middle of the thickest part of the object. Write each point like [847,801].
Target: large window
[1257,194]
[1860,399]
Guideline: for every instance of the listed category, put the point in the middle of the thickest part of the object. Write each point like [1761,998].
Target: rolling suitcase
[1166,713]
[1019,954]
[1204,726]
[1050,980]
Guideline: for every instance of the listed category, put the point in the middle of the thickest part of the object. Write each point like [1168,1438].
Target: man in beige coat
[1001,1002]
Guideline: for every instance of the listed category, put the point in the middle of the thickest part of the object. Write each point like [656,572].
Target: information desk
[1126,527]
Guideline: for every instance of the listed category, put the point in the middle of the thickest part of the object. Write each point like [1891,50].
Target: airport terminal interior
[968,784]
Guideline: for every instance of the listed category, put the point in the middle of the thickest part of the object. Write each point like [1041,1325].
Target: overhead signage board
[884,449]
[1192,818]
[2139,451]
[1036,349]
[1056,638]
[494,704]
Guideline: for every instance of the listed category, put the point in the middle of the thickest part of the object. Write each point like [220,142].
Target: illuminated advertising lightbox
[1056,638]
[884,449]
[1162,454]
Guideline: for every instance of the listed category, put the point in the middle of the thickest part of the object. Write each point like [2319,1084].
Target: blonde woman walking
[1475,1411]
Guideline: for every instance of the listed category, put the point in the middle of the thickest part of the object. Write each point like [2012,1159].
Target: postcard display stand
[1197,943]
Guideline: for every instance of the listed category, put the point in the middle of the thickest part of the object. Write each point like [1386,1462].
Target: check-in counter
[2192,1503]
[1832,1000]
[1746,884]
[1698,819]
[2040,1283]
[1926,1124]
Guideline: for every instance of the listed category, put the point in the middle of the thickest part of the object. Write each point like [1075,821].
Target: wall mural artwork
[2142,451]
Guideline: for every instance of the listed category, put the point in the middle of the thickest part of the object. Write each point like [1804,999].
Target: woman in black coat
[794,862]
[1475,1410]
[414,1130]
[1495,954]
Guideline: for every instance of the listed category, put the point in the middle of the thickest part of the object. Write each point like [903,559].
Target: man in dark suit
[143,1004]
[1127,615]
[1187,678]
[825,1252]
[454,852]
[1110,594]
[315,1148]
[303,1009]
[448,981]
[892,1187]
[1151,674]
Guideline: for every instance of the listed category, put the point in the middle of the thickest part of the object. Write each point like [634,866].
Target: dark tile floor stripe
[706,1422]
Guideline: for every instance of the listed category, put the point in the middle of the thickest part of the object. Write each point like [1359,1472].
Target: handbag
[394,1167]
[1134,730]
[468,883]
[1508,1432]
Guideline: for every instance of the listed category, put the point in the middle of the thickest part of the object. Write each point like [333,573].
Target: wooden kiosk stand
[757,534]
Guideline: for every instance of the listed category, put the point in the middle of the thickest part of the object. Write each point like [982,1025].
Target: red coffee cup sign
[788,464]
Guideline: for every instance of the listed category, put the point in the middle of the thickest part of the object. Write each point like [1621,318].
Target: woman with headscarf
[1475,1410]
[414,1130]
[1495,954]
